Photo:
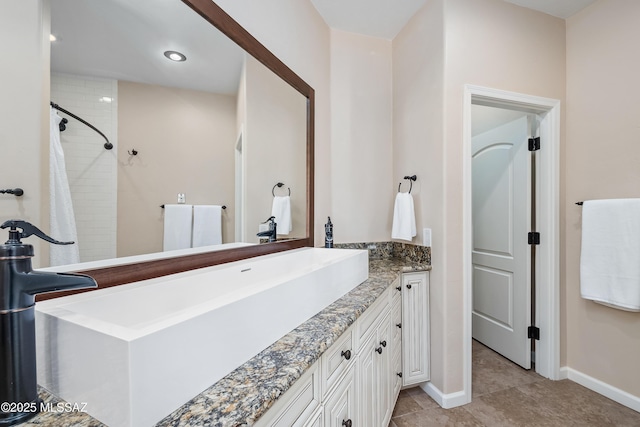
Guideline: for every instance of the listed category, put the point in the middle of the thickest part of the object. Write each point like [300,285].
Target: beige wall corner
[361,139]
[602,154]
[25,111]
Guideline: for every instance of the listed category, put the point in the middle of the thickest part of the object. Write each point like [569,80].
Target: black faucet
[272,233]
[19,285]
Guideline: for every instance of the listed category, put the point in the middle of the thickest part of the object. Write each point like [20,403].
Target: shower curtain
[62,218]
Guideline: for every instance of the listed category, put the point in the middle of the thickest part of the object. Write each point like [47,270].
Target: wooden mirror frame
[127,273]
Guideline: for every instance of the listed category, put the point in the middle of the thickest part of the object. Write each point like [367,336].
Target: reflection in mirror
[219,128]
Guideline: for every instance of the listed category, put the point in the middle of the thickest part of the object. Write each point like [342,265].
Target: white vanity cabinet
[415,328]
[356,382]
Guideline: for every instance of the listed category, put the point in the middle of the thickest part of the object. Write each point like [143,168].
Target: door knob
[346,354]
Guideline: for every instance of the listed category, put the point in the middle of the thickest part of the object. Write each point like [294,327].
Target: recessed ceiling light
[52,38]
[175,56]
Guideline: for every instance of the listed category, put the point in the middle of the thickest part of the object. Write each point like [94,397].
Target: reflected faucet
[272,233]
[19,285]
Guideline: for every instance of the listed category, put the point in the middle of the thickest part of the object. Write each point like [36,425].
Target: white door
[501,254]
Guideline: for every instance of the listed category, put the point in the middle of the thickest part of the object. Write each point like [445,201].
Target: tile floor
[504,394]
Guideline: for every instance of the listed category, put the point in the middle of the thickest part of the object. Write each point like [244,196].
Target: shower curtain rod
[107,144]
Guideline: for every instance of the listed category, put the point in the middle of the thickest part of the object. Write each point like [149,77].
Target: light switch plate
[426,237]
[182,198]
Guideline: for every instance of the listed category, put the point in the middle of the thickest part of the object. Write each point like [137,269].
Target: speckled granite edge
[387,250]
[245,394]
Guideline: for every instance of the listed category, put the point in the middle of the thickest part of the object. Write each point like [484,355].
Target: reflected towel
[610,253]
[177,227]
[281,209]
[404,218]
[61,214]
[207,225]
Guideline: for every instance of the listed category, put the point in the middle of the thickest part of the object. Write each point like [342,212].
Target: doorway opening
[503,212]
[543,114]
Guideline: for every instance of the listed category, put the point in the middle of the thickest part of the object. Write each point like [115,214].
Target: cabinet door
[415,328]
[375,376]
[340,408]
[316,420]
[384,372]
[367,382]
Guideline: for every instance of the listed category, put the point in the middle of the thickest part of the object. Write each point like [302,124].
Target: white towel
[207,225]
[610,254]
[404,218]
[281,209]
[61,214]
[177,227]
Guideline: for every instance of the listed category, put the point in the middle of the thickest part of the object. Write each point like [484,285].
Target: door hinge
[533,332]
[534,144]
[534,238]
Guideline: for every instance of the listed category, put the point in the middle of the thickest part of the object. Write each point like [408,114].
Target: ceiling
[125,40]
[385,18]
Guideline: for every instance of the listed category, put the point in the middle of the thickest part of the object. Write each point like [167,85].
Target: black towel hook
[15,191]
[411,179]
[279,185]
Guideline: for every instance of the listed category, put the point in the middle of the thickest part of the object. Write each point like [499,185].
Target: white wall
[602,162]
[185,140]
[24,26]
[295,32]
[448,44]
[526,55]
[274,149]
[362,188]
[91,169]
[418,116]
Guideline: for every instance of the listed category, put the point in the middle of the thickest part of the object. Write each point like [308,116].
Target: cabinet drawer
[337,360]
[369,319]
[297,405]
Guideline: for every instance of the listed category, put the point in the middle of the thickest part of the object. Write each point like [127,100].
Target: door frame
[548,216]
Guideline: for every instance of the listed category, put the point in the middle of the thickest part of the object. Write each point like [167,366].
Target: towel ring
[411,179]
[279,185]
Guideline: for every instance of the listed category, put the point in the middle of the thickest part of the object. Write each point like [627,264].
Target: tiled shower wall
[91,169]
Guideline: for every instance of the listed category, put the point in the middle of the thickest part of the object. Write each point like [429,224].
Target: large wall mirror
[222,127]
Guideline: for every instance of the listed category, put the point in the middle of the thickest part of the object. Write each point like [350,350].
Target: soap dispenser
[328,233]
[19,285]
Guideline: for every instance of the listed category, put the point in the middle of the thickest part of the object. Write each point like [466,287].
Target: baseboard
[447,401]
[607,390]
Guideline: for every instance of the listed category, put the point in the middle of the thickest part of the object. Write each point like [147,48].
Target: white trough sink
[135,353]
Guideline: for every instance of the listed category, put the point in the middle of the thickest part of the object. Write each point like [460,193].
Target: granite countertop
[248,392]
